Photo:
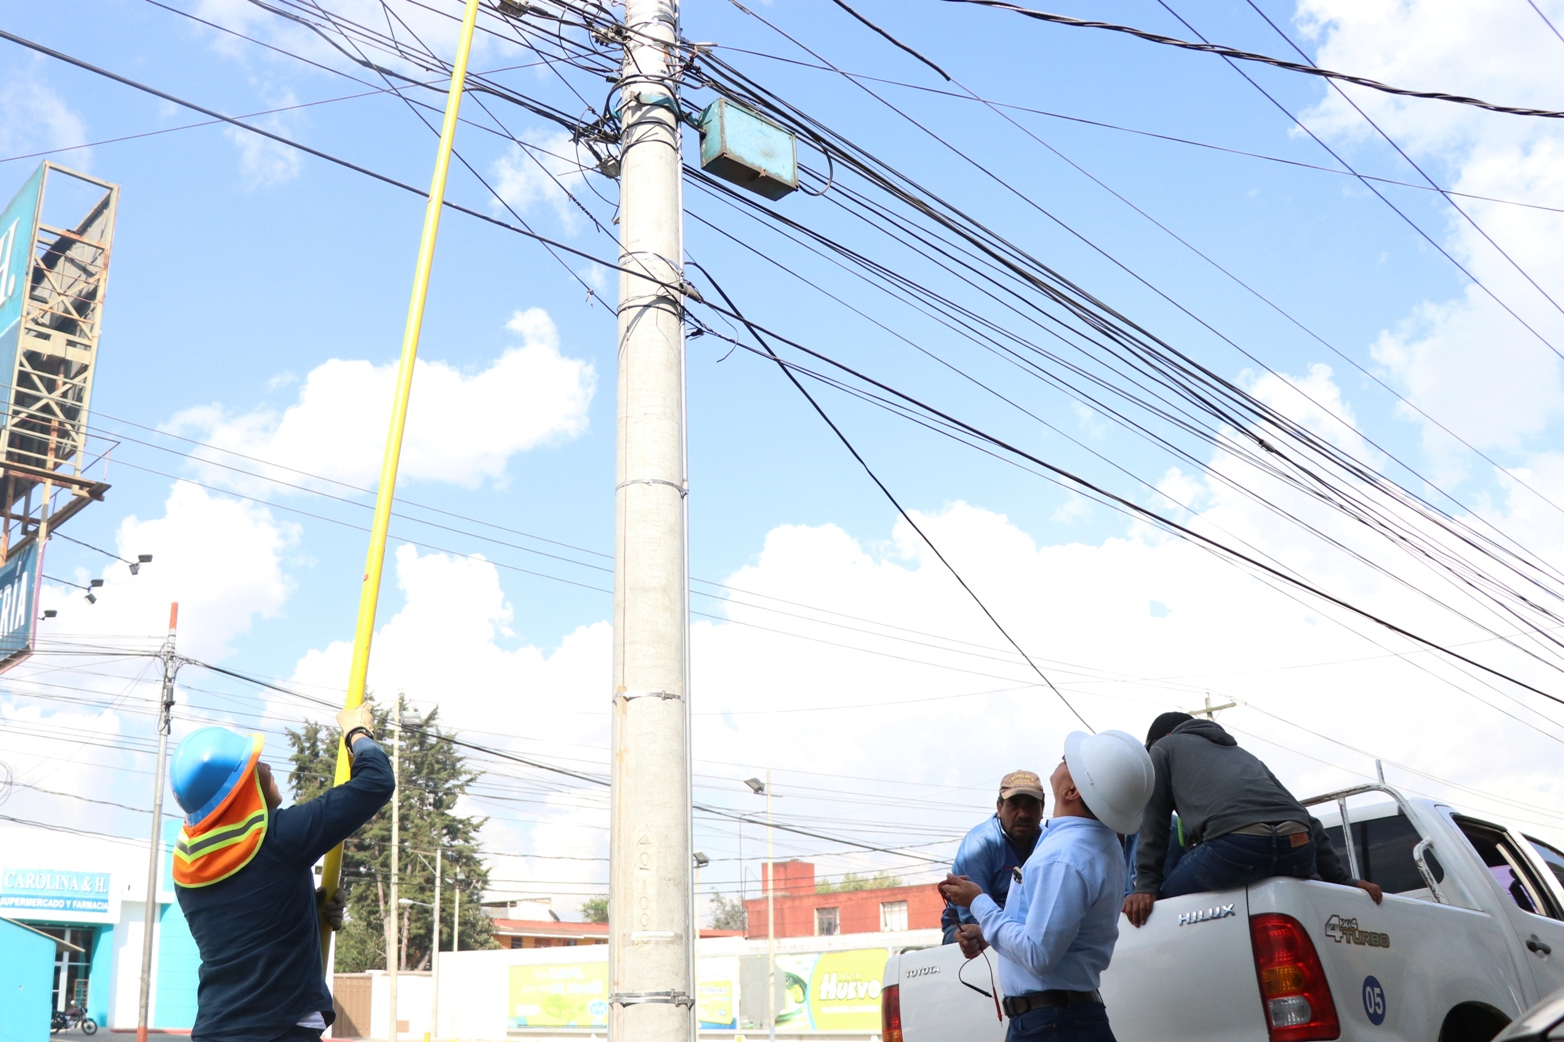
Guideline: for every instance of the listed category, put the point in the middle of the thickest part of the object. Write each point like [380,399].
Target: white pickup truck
[1471,932]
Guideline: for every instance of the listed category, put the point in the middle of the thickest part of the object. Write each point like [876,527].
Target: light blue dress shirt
[1059,924]
[986,857]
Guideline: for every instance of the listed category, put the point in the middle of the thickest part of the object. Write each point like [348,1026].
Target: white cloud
[529,396]
[38,119]
[78,723]
[264,163]
[220,559]
[1464,360]
[542,171]
[905,685]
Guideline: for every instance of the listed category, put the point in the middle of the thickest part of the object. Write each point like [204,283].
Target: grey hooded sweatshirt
[1216,787]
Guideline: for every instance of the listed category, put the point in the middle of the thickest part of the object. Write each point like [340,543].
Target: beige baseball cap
[1020,783]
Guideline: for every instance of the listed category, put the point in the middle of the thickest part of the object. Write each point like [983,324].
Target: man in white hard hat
[1056,931]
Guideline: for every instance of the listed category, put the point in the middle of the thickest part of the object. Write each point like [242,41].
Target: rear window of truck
[1554,859]
[1384,847]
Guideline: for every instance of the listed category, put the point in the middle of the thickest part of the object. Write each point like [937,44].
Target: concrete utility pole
[148,917]
[771,923]
[650,921]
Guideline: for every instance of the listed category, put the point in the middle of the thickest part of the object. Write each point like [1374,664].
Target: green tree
[728,914]
[854,881]
[595,909]
[433,776]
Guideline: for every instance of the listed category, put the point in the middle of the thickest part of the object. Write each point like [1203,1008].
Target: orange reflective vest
[225,840]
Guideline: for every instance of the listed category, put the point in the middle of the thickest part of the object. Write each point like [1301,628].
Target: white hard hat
[1113,773]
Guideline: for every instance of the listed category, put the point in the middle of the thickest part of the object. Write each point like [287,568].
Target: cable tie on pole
[681,489]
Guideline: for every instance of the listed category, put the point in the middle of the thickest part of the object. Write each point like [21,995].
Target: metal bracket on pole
[665,695]
[636,998]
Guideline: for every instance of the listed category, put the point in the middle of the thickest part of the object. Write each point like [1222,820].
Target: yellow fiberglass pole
[369,596]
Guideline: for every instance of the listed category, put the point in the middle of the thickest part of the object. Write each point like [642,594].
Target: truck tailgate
[1395,969]
[1187,974]
[934,1005]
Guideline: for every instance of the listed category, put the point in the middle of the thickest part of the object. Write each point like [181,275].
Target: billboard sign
[56,895]
[19,604]
[558,995]
[18,228]
[831,991]
[717,993]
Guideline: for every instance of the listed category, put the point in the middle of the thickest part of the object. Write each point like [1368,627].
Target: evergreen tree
[595,909]
[433,775]
[728,913]
[854,881]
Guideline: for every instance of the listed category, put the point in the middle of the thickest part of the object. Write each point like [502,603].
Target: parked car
[1544,1022]
[1471,932]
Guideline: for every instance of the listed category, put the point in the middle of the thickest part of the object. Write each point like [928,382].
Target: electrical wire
[1233,54]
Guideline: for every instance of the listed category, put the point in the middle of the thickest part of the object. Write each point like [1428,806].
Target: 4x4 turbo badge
[1345,931]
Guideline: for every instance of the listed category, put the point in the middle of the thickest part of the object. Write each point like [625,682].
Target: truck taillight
[1298,1004]
[890,1013]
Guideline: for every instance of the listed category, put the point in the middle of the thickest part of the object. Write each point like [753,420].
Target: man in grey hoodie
[1244,824]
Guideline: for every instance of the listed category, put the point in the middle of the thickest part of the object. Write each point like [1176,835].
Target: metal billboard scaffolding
[52,283]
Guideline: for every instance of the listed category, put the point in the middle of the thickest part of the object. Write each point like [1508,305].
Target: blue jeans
[1083,1023]
[1228,861]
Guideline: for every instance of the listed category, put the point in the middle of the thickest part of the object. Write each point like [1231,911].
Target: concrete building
[88,893]
[803,912]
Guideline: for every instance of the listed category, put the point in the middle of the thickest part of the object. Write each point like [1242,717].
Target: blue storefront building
[88,895]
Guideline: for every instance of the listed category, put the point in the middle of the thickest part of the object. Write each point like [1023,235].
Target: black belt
[1015,1005]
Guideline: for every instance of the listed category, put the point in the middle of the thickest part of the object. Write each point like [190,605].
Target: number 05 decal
[1373,1000]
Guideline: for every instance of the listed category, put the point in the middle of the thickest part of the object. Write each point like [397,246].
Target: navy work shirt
[989,858]
[259,931]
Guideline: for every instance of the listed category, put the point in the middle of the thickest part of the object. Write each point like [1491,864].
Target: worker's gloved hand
[969,938]
[331,910]
[1371,889]
[1138,908]
[360,715]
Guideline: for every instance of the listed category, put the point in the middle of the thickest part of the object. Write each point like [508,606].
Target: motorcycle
[72,1017]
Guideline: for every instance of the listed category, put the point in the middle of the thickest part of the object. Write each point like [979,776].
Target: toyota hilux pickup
[1470,933]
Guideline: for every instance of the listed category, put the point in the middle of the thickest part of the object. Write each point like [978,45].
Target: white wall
[413,993]
[474,986]
[127,966]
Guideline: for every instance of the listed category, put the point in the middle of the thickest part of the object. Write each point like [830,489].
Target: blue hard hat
[206,767]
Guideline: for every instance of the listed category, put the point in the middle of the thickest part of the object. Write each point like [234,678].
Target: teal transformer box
[744,147]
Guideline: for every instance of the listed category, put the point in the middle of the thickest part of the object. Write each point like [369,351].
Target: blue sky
[245,275]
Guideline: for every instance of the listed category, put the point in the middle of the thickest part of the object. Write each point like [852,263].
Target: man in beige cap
[992,852]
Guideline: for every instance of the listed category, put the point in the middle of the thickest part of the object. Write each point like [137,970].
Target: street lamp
[434,948]
[433,973]
[763,788]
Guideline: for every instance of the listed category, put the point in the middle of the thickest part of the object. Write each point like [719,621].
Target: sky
[255,308]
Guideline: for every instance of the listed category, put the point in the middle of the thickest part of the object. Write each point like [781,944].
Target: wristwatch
[352,736]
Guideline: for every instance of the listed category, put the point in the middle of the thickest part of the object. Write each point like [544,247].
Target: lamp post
[407,901]
[763,788]
[400,718]
[434,944]
[393,947]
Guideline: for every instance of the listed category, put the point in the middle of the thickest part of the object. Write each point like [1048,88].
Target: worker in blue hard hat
[242,869]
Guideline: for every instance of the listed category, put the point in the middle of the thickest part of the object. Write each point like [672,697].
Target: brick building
[551,933]
[801,912]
